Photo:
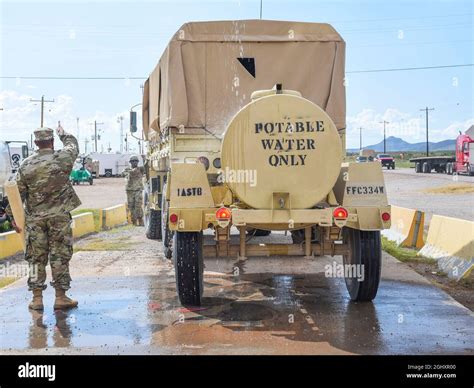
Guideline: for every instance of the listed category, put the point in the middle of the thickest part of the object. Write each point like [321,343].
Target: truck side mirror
[24,151]
[133,122]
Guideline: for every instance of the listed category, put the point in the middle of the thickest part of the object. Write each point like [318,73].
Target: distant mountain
[395,144]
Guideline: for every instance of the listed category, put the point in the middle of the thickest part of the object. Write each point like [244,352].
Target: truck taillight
[385,217]
[173,218]
[340,213]
[223,214]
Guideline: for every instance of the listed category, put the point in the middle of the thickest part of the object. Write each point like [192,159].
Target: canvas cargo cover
[209,70]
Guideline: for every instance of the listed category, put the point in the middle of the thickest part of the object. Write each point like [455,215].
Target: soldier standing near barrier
[48,198]
[134,190]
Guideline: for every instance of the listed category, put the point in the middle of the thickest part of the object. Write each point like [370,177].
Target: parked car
[362,159]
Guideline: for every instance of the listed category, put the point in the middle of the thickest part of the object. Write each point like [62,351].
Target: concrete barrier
[406,227]
[10,244]
[114,216]
[451,242]
[83,224]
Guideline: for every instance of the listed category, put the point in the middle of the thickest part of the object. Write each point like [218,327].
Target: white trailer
[113,164]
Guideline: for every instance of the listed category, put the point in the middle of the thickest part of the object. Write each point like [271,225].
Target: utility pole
[77,124]
[42,107]
[384,137]
[427,143]
[261,6]
[95,133]
[120,120]
[360,138]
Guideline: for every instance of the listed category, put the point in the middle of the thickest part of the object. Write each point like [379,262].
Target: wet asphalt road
[128,305]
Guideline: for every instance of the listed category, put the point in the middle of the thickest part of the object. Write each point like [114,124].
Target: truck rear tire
[426,168]
[365,251]
[418,167]
[166,233]
[189,267]
[153,224]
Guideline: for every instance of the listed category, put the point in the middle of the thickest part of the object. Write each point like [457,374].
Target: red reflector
[386,217]
[223,213]
[173,218]
[340,213]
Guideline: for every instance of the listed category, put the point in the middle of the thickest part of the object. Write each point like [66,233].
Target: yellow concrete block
[10,244]
[83,224]
[406,228]
[114,216]
[451,242]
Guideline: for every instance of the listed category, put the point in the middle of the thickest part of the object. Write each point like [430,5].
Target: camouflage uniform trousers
[49,238]
[135,203]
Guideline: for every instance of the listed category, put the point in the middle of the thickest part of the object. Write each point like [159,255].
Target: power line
[408,68]
[143,78]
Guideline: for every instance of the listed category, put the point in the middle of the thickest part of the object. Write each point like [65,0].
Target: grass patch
[6,281]
[403,254]
[120,229]
[114,244]
[452,189]
[95,212]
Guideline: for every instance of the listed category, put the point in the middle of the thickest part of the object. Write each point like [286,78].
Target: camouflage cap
[44,134]
[133,159]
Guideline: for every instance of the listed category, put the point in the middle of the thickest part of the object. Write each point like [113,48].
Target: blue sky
[126,39]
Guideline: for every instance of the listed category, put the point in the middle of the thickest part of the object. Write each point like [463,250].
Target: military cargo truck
[245,124]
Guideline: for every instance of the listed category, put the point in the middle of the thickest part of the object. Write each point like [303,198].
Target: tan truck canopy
[209,70]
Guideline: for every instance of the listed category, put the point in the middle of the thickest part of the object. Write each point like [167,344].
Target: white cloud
[20,117]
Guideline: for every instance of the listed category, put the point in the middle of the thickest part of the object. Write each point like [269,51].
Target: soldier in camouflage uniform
[48,198]
[134,190]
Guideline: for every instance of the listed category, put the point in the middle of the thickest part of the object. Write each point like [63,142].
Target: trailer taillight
[223,214]
[340,213]
[173,218]
[385,217]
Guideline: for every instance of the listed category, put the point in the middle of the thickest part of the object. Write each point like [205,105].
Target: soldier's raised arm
[70,149]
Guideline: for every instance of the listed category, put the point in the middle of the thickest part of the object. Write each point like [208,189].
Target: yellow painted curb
[451,242]
[406,228]
[83,224]
[114,216]
[10,244]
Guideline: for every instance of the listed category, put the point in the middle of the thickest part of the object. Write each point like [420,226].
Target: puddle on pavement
[267,313]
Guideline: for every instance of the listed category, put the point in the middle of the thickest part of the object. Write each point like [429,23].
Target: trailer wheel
[189,267]
[449,168]
[365,252]
[426,168]
[166,233]
[91,181]
[418,167]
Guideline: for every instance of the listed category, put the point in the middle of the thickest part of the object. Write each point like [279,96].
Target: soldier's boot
[37,301]
[63,302]
[140,222]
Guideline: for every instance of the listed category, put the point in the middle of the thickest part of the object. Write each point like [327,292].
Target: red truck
[461,163]
[386,161]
